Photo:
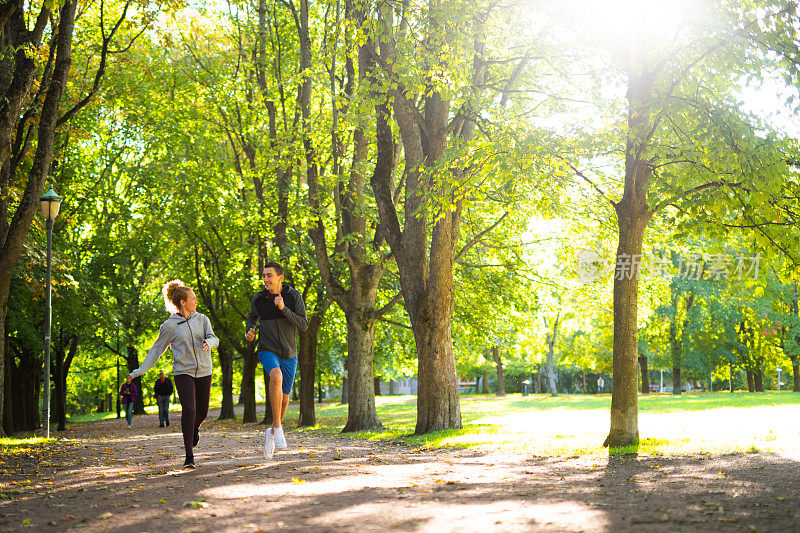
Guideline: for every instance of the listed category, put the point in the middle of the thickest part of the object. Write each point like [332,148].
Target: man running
[280,311]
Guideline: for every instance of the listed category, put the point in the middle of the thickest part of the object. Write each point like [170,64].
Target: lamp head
[51,202]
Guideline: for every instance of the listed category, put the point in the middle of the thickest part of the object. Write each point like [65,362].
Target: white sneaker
[269,444]
[280,438]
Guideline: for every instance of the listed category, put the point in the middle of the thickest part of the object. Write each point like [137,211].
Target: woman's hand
[206,346]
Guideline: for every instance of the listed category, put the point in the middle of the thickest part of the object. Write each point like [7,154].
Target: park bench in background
[463,384]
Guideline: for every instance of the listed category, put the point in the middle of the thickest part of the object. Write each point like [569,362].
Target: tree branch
[478,237]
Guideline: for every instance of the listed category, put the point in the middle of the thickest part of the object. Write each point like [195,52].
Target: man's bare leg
[276,396]
[284,407]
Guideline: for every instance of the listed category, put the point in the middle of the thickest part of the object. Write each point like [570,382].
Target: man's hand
[279,302]
[250,335]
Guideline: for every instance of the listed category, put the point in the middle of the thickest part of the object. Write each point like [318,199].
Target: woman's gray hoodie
[185,336]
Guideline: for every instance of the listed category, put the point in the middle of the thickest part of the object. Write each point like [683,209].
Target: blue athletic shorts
[288,367]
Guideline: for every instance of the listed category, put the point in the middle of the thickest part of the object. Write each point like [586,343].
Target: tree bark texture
[64,355]
[361,412]
[501,381]
[796,374]
[307,362]
[645,375]
[132,361]
[550,338]
[364,266]
[424,246]
[633,214]
[6,407]
[676,380]
[437,397]
[15,84]
[248,392]
[226,381]
[22,394]
[345,385]
[750,381]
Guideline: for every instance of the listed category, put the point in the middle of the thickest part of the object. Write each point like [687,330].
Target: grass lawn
[577,425]
[574,424]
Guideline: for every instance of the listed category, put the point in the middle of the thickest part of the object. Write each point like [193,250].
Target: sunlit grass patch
[576,426]
[11,445]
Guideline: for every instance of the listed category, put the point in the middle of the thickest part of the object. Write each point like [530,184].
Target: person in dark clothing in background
[162,390]
[129,393]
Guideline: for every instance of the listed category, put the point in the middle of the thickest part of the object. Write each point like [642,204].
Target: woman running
[189,335]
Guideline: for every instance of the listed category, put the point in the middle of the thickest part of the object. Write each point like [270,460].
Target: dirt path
[104,477]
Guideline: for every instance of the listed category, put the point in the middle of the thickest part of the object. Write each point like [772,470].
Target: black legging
[194,394]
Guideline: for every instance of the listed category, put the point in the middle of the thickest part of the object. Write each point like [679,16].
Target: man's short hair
[272,264]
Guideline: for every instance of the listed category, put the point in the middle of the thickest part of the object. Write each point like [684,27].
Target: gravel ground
[104,477]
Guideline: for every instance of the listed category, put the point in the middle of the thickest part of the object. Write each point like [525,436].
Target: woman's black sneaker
[189,462]
[196,437]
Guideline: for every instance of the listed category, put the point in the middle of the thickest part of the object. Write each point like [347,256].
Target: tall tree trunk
[361,412]
[248,393]
[485,381]
[63,363]
[58,411]
[750,381]
[24,382]
[437,394]
[345,382]
[676,380]
[132,360]
[730,378]
[550,338]
[624,394]
[425,248]
[645,376]
[307,365]
[15,89]
[796,373]
[365,267]
[758,376]
[501,382]
[309,341]
[6,407]
[226,381]
[633,214]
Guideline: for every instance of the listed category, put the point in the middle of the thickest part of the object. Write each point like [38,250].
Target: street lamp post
[51,203]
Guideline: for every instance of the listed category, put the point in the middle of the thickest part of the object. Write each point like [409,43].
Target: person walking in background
[128,392]
[189,335]
[162,390]
[280,312]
